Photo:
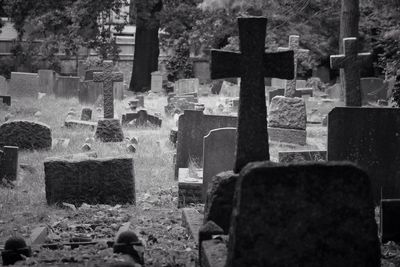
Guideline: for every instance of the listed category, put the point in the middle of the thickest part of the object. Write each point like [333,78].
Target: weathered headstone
[24,84]
[184,86]
[299,54]
[218,154]
[192,127]
[370,138]
[156,81]
[251,65]
[26,135]
[277,208]
[141,118]
[108,129]
[9,163]
[91,181]
[47,81]
[351,62]
[275,92]
[287,119]
[67,87]
[89,92]
[86,114]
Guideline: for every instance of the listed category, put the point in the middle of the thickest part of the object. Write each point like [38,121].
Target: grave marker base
[291,136]
[109,130]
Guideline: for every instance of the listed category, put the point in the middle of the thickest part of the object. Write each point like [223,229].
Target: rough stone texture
[213,253]
[26,135]
[370,138]
[276,92]
[218,207]
[315,214]
[218,154]
[47,81]
[67,87]
[351,62]
[251,65]
[289,136]
[109,130]
[73,124]
[91,181]
[86,114]
[299,55]
[108,77]
[89,92]
[192,127]
[192,220]
[24,84]
[300,156]
[141,119]
[184,86]
[288,113]
[390,220]
[9,163]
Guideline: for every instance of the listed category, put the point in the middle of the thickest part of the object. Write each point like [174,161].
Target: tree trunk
[147,50]
[349,20]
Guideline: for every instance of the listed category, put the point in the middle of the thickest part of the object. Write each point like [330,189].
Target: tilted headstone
[24,84]
[315,214]
[251,65]
[9,163]
[192,127]
[108,77]
[91,181]
[26,135]
[351,62]
[370,138]
[299,55]
[184,86]
[156,81]
[67,87]
[218,154]
[47,81]
[89,92]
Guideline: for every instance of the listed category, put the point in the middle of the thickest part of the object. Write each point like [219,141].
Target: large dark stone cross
[108,77]
[252,65]
[351,62]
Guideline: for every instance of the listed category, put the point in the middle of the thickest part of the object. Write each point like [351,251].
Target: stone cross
[108,77]
[351,62]
[251,65]
[299,55]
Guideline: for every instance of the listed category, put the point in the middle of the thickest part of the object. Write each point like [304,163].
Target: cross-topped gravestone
[351,62]
[252,65]
[108,77]
[299,55]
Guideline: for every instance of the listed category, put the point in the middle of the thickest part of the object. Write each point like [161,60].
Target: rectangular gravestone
[300,156]
[91,181]
[310,214]
[24,84]
[47,80]
[67,87]
[369,137]
[9,163]
[89,92]
[156,81]
[184,86]
[192,127]
[119,90]
[218,154]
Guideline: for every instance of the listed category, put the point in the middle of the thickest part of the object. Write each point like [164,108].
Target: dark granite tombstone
[9,163]
[316,214]
[92,181]
[351,62]
[370,138]
[192,127]
[251,65]
[390,220]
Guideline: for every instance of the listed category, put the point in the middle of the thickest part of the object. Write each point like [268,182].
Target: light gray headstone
[185,86]
[47,80]
[156,81]
[24,84]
